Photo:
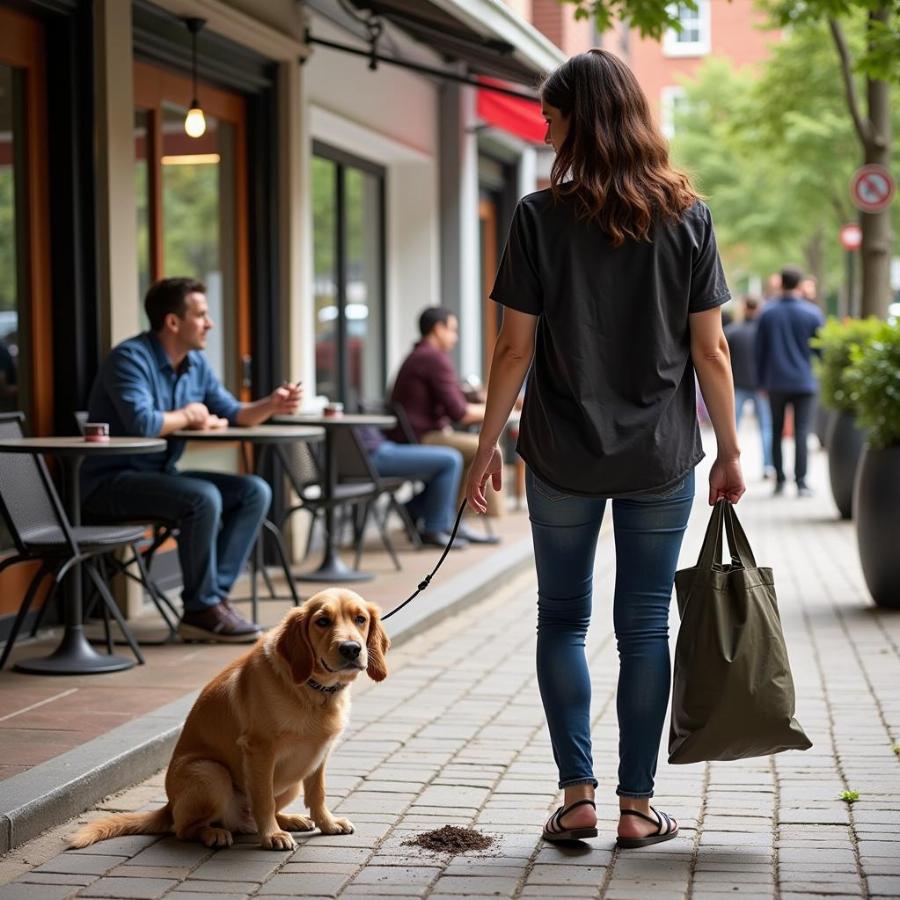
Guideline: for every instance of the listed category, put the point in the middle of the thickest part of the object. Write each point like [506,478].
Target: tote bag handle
[738,546]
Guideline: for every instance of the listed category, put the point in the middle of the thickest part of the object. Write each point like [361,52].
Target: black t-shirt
[610,405]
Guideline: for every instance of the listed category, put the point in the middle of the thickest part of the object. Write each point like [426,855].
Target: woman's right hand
[726,480]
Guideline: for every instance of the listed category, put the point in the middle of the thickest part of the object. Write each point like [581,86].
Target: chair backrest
[29,501]
[81,417]
[397,410]
[300,465]
[352,458]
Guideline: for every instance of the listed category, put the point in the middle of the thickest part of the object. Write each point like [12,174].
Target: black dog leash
[427,580]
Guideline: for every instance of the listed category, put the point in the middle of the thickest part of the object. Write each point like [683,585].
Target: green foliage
[191,220]
[849,796]
[834,341]
[874,380]
[651,17]
[8,294]
[878,58]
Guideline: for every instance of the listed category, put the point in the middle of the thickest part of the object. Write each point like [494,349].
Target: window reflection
[351,298]
[9,245]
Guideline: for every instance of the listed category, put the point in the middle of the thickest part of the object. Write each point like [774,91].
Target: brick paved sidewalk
[456,736]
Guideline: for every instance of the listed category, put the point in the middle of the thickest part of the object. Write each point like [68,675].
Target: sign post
[851,240]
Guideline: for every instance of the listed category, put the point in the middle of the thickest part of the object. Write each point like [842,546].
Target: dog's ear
[377,644]
[293,644]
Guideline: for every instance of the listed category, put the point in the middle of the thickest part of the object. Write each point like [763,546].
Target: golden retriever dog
[263,726]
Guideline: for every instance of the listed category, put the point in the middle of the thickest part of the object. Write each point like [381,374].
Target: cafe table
[263,436]
[74,655]
[332,567]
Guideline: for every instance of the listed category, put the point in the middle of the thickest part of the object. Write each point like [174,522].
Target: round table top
[259,434]
[78,446]
[345,420]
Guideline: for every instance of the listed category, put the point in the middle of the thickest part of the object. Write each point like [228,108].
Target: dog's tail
[159,821]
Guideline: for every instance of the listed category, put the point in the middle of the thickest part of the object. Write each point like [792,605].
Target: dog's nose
[350,649]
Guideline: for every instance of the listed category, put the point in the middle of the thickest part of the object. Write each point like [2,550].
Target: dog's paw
[295,822]
[277,840]
[216,837]
[336,826]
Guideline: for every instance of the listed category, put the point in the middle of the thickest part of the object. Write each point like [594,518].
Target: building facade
[344,180]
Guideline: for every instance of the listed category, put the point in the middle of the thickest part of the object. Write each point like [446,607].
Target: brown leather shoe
[219,624]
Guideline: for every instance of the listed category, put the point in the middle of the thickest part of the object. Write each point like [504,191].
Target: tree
[773,149]
[875,63]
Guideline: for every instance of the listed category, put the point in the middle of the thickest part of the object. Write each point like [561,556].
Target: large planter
[822,423]
[845,445]
[876,509]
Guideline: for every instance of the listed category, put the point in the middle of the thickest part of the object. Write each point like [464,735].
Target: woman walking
[611,283]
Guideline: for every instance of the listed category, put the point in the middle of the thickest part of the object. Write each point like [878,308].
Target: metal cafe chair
[354,466]
[305,478]
[41,532]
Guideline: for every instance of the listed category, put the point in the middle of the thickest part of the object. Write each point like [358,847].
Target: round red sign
[851,236]
[872,188]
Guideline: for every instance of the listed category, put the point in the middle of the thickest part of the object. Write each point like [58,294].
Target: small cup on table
[96,432]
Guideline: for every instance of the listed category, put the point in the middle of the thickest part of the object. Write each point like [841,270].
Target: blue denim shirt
[136,384]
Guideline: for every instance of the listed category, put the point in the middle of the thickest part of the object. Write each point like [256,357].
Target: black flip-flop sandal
[557,833]
[666,829]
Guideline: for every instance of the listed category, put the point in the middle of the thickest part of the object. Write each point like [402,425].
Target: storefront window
[192,207]
[348,250]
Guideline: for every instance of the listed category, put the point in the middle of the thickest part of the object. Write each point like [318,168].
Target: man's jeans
[439,467]
[804,406]
[763,413]
[218,517]
[648,532]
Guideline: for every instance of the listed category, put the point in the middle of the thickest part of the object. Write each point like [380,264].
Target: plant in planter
[874,382]
[844,439]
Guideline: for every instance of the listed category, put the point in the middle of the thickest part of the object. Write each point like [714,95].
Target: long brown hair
[616,157]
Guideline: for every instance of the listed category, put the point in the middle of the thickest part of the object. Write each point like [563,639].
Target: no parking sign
[872,188]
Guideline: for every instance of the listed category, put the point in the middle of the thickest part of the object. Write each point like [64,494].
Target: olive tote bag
[733,694]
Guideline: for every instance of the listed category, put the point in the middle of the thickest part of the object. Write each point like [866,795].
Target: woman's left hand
[487,463]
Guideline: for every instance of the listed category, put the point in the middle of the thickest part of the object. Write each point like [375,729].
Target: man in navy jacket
[784,368]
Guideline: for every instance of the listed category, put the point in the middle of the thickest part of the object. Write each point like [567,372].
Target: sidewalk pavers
[456,735]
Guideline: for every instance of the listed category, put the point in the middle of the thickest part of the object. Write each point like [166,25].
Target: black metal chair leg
[408,524]
[107,631]
[114,609]
[160,601]
[386,538]
[255,562]
[24,606]
[360,533]
[285,563]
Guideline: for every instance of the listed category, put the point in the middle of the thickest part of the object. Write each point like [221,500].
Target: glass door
[25,324]
[192,208]
[348,276]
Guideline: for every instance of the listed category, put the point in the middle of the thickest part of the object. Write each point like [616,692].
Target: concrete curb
[63,787]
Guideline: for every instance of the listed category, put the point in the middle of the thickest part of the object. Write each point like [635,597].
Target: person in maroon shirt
[427,387]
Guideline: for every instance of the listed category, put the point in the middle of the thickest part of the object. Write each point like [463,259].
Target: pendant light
[194,121]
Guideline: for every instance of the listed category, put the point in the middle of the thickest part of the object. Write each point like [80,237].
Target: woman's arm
[712,362]
[509,366]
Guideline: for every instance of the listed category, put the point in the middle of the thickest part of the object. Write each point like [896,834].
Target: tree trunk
[876,227]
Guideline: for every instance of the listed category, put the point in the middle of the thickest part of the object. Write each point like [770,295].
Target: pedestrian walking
[741,337]
[784,368]
[611,286]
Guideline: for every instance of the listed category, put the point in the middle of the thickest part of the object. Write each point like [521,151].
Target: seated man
[428,389]
[440,468]
[150,386]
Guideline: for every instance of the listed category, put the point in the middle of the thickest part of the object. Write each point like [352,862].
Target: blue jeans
[218,517]
[440,468]
[648,533]
[763,413]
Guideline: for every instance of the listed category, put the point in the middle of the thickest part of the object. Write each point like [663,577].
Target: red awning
[515,115]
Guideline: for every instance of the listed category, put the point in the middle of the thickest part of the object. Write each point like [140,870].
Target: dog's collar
[323,689]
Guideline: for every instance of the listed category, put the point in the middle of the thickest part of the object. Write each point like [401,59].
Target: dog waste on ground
[451,839]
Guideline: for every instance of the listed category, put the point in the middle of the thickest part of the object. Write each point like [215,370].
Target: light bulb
[195,122]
